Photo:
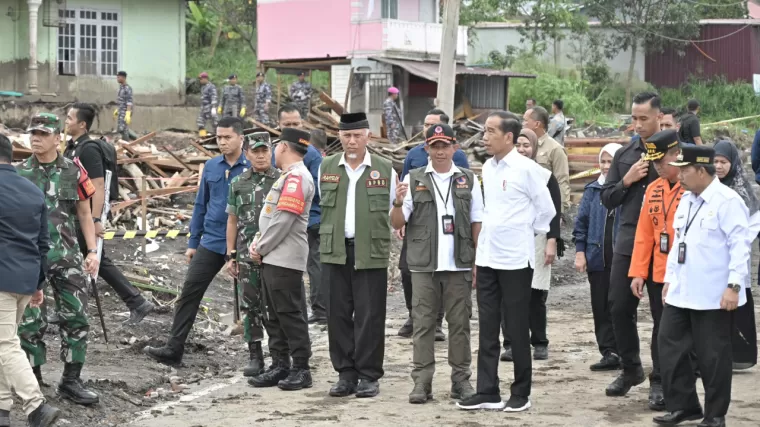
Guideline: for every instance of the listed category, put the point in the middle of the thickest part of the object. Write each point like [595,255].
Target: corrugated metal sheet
[736,57]
[485,92]
[429,70]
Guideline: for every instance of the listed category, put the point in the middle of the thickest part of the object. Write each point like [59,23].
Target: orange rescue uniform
[657,212]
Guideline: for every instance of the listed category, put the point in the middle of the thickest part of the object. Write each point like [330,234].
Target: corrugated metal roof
[429,69]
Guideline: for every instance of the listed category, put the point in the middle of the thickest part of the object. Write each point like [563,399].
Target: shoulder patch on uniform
[292,198]
[85,187]
[330,177]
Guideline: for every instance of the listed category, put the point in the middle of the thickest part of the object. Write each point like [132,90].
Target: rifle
[94,278]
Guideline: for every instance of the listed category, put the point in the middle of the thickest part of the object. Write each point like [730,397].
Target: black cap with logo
[695,155]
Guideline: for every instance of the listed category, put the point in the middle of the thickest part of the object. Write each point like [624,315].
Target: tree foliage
[240,15]
[720,9]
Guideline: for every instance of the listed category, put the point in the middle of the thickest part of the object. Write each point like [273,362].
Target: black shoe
[367,388]
[507,355]
[256,363]
[5,418]
[421,393]
[481,401]
[72,388]
[713,422]
[609,362]
[540,353]
[319,320]
[439,335]
[673,418]
[462,390]
[44,416]
[298,378]
[406,330]
[656,397]
[343,388]
[38,374]
[623,383]
[276,373]
[53,318]
[138,314]
[164,355]
[517,404]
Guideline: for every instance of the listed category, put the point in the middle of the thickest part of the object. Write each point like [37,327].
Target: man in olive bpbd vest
[442,215]
[245,202]
[357,190]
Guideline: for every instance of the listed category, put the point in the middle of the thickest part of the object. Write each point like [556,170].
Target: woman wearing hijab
[546,251]
[728,168]
[595,227]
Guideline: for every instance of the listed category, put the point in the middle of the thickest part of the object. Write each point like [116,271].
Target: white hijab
[610,149]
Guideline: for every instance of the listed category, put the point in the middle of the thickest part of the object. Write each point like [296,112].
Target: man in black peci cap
[357,190]
[432,203]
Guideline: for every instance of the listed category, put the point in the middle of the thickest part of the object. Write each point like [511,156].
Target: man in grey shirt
[282,248]
[557,124]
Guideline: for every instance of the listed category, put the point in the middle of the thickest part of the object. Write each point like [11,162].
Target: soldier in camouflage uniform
[209,104]
[263,100]
[233,99]
[246,197]
[300,94]
[67,190]
[392,117]
[123,114]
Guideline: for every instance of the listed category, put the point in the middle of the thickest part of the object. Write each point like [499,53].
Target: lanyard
[688,215]
[448,192]
[665,211]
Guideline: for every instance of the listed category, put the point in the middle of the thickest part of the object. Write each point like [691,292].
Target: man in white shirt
[706,272]
[357,189]
[517,207]
[442,214]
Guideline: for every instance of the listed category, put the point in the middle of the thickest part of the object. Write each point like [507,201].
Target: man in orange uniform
[654,237]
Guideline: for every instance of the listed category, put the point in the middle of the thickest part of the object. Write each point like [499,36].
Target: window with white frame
[88,42]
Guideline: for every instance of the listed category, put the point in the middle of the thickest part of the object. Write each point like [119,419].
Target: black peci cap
[695,155]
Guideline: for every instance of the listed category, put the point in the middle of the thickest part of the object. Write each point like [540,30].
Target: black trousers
[203,268]
[406,283]
[600,307]
[317,297]
[113,276]
[623,306]
[356,318]
[744,340]
[287,330]
[537,310]
[504,291]
[709,333]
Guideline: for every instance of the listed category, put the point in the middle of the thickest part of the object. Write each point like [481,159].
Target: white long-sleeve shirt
[517,207]
[717,248]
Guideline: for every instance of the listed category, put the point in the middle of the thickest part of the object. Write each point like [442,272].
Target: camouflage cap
[45,122]
[259,138]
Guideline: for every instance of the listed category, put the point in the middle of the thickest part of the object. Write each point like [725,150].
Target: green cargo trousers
[455,288]
[253,305]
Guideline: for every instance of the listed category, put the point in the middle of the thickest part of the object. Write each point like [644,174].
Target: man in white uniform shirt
[442,214]
[706,271]
[517,207]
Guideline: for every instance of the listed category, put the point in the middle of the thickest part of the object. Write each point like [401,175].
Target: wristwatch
[735,287]
[231,256]
[92,251]
[96,220]
[396,204]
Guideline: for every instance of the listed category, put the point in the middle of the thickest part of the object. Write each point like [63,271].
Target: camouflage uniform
[59,182]
[233,100]
[209,102]
[300,93]
[124,100]
[392,115]
[263,96]
[246,198]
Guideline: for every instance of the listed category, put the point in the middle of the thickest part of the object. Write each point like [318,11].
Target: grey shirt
[283,241]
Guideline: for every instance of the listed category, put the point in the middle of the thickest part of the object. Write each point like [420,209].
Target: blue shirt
[24,234]
[418,157]
[312,160]
[209,224]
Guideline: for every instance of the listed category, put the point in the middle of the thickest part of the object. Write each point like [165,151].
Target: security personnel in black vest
[442,214]
[357,190]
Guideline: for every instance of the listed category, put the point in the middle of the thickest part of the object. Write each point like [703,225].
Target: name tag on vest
[377,183]
[328,177]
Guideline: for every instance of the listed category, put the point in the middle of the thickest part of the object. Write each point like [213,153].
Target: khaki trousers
[16,371]
[455,288]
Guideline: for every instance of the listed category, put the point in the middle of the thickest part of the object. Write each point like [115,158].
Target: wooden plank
[141,139]
[173,165]
[149,163]
[177,158]
[130,160]
[333,104]
[170,190]
[200,148]
[266,128]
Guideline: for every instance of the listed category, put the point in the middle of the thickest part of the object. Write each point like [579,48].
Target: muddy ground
[213,392]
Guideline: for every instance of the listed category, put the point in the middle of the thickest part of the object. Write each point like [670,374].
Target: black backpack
[108,154]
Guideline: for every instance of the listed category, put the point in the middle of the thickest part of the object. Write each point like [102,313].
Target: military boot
[256,364]
[278,371]
[299,376]
[44,416]
[38,374]
[71,386]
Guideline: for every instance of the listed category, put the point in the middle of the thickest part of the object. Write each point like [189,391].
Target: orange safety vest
[657,213]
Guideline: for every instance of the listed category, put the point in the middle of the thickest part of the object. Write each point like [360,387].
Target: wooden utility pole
[447,71]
